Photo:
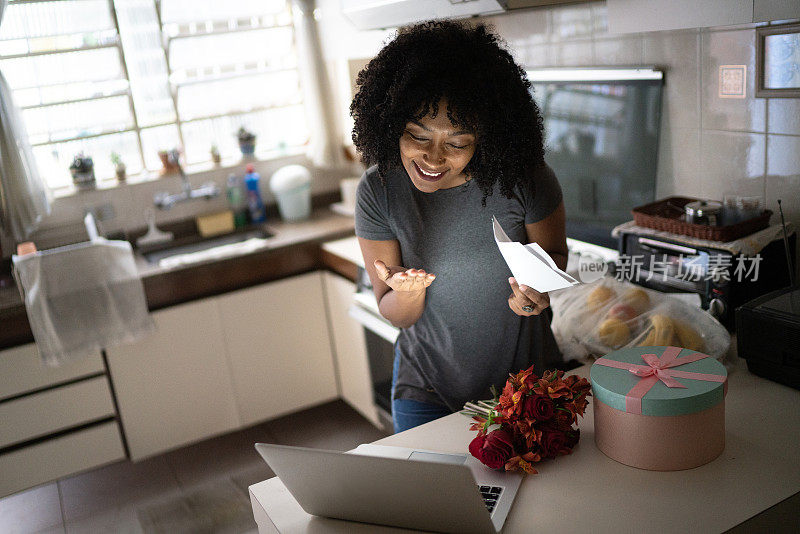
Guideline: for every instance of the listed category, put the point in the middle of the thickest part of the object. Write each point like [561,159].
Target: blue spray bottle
[255,206]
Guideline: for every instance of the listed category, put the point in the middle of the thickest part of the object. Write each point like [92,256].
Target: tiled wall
[709,146]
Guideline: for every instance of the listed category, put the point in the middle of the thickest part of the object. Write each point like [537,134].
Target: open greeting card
[530,264]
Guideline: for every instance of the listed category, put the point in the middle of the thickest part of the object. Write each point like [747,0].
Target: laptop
[396,486]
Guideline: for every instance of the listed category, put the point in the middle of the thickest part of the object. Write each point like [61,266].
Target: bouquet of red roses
[531,420]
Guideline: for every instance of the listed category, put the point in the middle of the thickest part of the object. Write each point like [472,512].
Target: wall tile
[524,27]
[573,53]
[678,163]
[787,189]
[600,19]
[783,157]
[677,53]
[731,163]
[785,183]
[783,116]
[574,22]
[626,50]
[737,114]
[536,56]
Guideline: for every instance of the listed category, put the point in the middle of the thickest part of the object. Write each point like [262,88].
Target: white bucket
[291,186]
[295,204]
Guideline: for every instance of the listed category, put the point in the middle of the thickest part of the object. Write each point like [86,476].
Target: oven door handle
[375,324]
[656,246]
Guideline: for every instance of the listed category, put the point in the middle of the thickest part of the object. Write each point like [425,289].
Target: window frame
[146,174]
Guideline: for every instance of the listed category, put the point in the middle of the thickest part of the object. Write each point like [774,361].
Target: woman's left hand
[526,301]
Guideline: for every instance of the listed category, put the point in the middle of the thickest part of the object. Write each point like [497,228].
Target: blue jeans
[408,413]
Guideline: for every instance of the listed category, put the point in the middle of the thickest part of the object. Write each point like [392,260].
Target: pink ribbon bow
[659,369]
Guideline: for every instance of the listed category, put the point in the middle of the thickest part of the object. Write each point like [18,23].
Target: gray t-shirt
[467,338]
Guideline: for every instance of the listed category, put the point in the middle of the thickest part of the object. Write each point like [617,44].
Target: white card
[530,264]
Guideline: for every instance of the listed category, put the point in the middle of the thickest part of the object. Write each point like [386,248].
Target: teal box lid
[614,384]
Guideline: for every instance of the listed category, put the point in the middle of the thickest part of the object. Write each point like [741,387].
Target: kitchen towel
[82,298]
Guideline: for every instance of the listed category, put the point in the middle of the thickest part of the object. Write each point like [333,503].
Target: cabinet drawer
[21,370]
[56,409]
[59,457]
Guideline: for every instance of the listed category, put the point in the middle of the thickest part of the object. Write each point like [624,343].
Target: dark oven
[380,337]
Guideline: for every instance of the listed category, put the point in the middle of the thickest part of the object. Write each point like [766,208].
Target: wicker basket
[667,215]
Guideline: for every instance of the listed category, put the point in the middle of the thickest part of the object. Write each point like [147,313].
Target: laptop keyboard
[490,495]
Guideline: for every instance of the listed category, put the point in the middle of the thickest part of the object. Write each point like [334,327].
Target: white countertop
[346,248]
[588,492]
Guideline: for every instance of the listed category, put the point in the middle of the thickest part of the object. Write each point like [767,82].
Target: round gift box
[666,428]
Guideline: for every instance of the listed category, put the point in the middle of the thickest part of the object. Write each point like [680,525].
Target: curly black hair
[486,92]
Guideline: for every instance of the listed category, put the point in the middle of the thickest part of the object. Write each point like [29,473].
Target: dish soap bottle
[255,206]
[236,201]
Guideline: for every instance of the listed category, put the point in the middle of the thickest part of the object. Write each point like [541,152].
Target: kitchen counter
[293,249]
[588,492]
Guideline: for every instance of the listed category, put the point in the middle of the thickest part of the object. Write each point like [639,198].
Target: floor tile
[253,475]
[119,520]
[214,457]
[333,426]
[31,511]
[114,486]
[218,507]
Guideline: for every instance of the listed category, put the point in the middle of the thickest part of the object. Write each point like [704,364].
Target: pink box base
[669,443]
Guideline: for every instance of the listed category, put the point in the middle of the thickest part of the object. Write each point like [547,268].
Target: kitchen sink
[194,244]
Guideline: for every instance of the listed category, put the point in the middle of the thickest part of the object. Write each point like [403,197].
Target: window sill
[206,168]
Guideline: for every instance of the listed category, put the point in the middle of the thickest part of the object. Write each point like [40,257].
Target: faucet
[163,200]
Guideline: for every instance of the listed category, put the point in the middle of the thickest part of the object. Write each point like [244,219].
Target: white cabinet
[174,387]
[349,347]
[54,421]
[278,347]
[632,16]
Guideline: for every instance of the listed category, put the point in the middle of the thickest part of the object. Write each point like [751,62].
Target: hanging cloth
[82,298]
[24,197]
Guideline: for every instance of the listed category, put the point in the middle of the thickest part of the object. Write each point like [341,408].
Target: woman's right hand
[401,279]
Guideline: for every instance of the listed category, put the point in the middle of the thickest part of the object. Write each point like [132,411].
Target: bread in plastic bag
[591,320]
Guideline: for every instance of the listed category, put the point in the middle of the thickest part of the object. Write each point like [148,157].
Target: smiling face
[434,151]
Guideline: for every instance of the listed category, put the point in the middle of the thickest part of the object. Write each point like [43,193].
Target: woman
[445,119]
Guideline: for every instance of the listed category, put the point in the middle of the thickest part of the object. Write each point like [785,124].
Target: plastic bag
[82,298]
[594,319]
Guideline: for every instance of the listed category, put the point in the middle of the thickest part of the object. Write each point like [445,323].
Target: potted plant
[247,141]
[168,166]
[119,166]
[215,157]
[82,170]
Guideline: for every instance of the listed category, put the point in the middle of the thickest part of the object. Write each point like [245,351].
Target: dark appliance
[768,336]
[380,337]
[671,265]
[601,135]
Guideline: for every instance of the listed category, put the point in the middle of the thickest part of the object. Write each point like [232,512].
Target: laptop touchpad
[438,458]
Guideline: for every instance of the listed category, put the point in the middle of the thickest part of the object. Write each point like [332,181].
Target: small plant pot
[247,148]
[216,158]
[121,173]
[83,180]
[168,167]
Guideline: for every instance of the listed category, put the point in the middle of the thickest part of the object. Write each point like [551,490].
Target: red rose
[553,443]
[539,408]
[493,449]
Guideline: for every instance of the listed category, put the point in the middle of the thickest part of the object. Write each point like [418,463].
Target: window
[139,76]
